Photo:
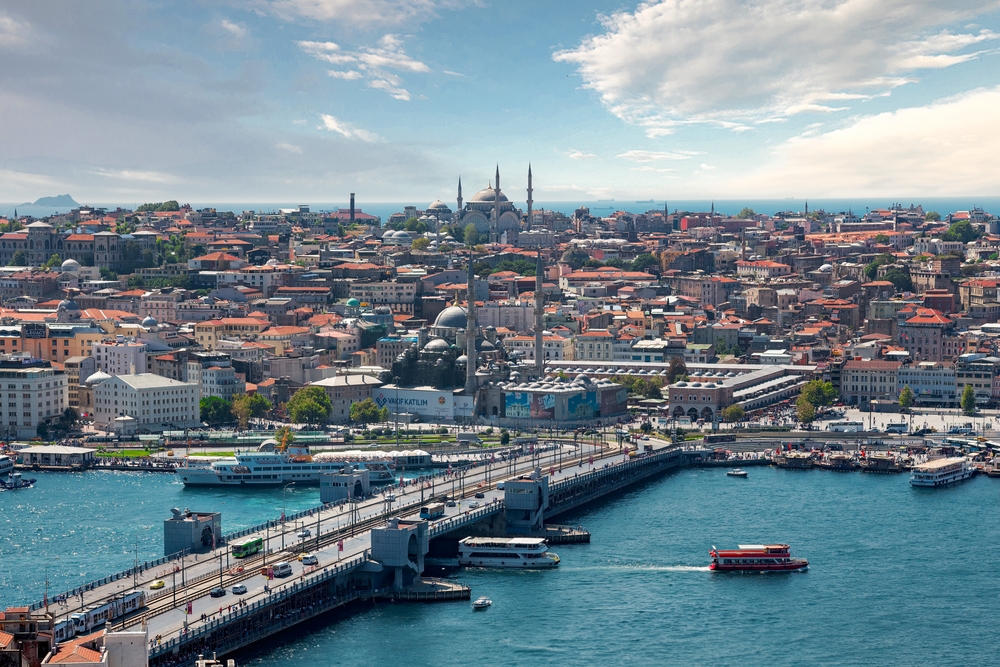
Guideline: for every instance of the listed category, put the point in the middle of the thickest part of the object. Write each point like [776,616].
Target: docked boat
[6,465]
[881,463]
[482,604]
[737,472]
[794,460]
[514,552]
[274,465]
[756,558]
[941,472]
[838,462]
[17,482]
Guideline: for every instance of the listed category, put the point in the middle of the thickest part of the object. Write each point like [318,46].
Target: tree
[309,405]
[108,274]
[575,258]
[881,238]
[906,398]
[932,216]
[593,264]
[216,410]
[285,434]
[734,413]
[818,392]
[646,427]
[746,213]
[471,236]
[504,437]
[445,247]
[676,369]
[961,231]
[805,410]
[249,406]
[644,262]
[900,278]
[368,412]
[969,400]
[871,270]
[54,262]
[421,243]
[20,258]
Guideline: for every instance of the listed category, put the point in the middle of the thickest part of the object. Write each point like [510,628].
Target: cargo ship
[756,558]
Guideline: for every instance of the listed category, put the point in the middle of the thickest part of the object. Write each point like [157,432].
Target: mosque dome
[453,316]
[70,266]
[483,345]
[438,205]
[464,359]
[271,262]
[353,303]
[488,194]
[97,378]
[437,345]
[68,304]
[826,268]
[149,321]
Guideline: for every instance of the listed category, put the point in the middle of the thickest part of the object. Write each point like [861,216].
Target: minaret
[530,200]
[496,208]
[539,317]
[470,335]
[459,211]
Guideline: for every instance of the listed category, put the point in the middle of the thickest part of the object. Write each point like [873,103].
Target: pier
[366,550]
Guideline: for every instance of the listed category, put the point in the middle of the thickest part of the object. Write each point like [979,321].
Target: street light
[283,489]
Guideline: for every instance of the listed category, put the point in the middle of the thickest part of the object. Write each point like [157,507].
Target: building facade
[156,403]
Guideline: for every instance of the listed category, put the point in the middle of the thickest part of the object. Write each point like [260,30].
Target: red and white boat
[756,558]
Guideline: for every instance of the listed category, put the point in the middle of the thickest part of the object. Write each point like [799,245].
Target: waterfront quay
[354,564]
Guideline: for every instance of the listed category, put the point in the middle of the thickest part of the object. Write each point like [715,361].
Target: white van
[283,569]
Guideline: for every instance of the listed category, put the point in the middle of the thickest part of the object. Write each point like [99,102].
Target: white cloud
[237,30]
[374,64]
[366,12]
[344,129]
[133,175]
[14,34]
[733,61]
[636,155]
[944,148]
[579,155]
[657,170]
[291,148]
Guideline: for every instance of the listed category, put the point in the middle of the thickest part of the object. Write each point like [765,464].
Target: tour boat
[756,558]
[794,460]
[514,552]
[941,472]
[881,463]
[17,482]
[6,465]
[275,468]
[737,472]
[482,603]
[838,462]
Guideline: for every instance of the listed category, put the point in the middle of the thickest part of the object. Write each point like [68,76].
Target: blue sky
[279,100]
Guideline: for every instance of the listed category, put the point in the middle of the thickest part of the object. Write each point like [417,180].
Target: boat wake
[639,567]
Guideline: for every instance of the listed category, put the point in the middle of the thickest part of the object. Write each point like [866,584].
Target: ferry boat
[794,460]
[838,462]
[6,465]
[274,466]
[515,552]
[756,558]
[881,463]
[941,472]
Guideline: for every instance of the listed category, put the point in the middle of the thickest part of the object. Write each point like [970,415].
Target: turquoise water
[87,525]
[898,576]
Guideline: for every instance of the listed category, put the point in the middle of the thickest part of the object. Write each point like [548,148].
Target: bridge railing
[597,473]
[274,597]
[441,527]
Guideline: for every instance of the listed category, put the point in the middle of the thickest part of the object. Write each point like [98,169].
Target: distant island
[59,200]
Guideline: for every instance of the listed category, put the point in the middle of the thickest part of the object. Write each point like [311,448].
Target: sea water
[897,575]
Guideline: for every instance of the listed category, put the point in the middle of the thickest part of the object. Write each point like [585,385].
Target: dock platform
[427,590]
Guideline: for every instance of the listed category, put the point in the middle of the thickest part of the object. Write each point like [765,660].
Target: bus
[248,547]
[846,427]
[432,511]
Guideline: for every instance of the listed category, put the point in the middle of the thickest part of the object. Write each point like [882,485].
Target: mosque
[489,210]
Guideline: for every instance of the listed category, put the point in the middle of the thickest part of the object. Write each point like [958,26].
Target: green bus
[248,547]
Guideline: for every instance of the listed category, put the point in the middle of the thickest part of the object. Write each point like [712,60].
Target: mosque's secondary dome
[437,345]
[71,266]
[98,377]
[149,321]
[353,303]
[68,304]
[452,316]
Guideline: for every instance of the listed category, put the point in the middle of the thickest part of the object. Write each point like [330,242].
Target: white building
[556,348]
[156,403]
[215,374]
[31,392]
[120,356]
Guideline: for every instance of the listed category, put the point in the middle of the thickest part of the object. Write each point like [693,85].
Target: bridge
[369,549]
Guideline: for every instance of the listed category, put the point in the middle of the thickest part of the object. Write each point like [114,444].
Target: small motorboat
[482,604]
[17,482]
[737,472]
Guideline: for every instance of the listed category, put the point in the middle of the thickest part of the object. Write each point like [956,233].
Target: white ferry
[515,552]
[941,472]
[273,465]
[6,465]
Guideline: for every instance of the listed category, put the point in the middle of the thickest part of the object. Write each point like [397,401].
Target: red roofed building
[762,269]
[215,261]
[926,337]
[862,381]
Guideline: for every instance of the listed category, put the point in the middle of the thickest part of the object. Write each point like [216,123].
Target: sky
[308,100]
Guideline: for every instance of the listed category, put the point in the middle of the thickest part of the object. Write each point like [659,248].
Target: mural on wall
[614,401]
[518,405]
[543,406]
[583,406]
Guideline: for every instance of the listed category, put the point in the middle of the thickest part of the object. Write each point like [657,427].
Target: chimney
[352,207]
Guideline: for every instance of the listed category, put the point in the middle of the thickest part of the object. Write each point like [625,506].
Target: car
[500,486]
[473,505]
[157,585]
[480,494]
[304,533]
[239,589]
[309,559]
[217,592]
[450,503]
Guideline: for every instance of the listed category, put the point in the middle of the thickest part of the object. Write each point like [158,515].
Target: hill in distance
[62,201]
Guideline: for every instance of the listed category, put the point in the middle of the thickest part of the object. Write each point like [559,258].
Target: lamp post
[283,489]
[395,382]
